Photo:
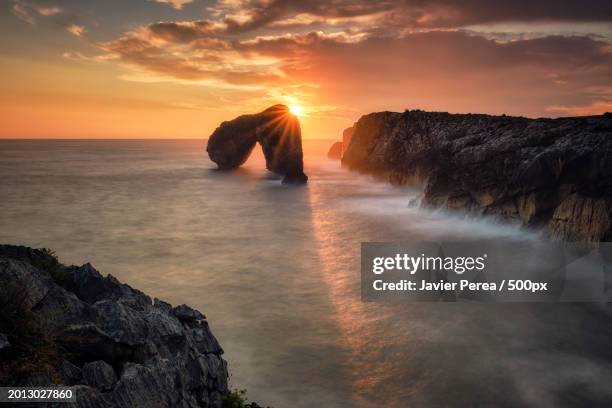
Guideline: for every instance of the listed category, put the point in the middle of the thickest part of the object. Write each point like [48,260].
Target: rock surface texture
[278,132]
[555,173]
[110,341]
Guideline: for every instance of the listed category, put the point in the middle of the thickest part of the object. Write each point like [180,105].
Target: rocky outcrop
[278,132]
[347,136]
[555,173]
[335,151]
[582,218]
[100,375]
[5,345]
[112,342]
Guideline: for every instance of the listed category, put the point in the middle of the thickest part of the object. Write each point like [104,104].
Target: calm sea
[276,270]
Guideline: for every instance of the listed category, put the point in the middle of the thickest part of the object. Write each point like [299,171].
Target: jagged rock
[186,314]
[335,151]
[100,375]
[278,132]
[203,339]
[31,284]
[5,345]
[156,358]
[551,172]
[87,341]
[165,306]
[70,373]
[90,286]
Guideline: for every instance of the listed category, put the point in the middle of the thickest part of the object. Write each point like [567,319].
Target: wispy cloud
[26,10]
[76,29]
[177,4]
[21,11]
[594,108]
[49,11]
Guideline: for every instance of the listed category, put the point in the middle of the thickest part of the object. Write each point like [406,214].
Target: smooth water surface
[276,270]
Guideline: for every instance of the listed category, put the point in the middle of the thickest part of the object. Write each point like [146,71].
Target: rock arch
[278,132]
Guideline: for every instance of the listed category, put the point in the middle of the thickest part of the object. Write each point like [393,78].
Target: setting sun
[296,110]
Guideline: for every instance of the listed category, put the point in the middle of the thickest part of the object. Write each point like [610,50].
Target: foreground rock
[551,172]
[72,326]
[278,132]
[5,345]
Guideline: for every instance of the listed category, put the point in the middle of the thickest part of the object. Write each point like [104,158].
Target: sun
[296,110]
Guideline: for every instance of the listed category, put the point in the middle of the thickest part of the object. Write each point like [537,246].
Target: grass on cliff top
[49,263]
[238,399]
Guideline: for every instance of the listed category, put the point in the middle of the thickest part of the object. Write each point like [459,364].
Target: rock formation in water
[72,326]
[551,172]
[335,151]
[278,132]
[347,135]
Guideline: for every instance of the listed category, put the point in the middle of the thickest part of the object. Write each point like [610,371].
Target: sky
[178,68]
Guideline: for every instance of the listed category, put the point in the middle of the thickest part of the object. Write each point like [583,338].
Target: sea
[275,269]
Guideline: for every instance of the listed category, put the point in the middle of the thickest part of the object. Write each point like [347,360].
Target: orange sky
[177,68]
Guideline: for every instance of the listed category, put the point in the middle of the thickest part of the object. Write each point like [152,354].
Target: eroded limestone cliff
[555,173]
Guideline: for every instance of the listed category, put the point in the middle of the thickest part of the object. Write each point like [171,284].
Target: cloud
[49,11]
[433,50]
[177,4]
[26,10]
[194,50]
[184,31]
[76,29]
[253,14]
[595,108]
[21,11]
[179,51]
[249,15]
[435,54]
[46,11]
[80,57]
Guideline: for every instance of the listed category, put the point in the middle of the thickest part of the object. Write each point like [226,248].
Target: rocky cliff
[278,132]
[337,149]
[555,173]
[73,326]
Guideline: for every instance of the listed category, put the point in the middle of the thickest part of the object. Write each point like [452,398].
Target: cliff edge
[555,173]
[69,325]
